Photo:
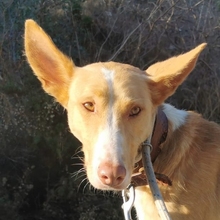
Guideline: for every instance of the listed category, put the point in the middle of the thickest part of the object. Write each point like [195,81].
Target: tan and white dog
[111,110]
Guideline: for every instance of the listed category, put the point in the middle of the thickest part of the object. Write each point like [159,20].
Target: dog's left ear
[49,64]
[165,77]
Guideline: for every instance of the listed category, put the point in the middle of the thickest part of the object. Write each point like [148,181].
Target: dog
[112,108]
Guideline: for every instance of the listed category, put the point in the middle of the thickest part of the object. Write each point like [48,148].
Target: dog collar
[159,136]
[159,133]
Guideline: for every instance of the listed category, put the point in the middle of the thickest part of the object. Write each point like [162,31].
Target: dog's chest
[144,204]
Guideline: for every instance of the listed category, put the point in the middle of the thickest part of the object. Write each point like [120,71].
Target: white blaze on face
[108,147]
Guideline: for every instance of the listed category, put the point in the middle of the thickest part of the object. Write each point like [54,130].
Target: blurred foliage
[36,147]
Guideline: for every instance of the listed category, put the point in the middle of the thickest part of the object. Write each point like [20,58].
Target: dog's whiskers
[84,180]
[87,184]
[77,173]
[78,158]
[78,150]
[78,164]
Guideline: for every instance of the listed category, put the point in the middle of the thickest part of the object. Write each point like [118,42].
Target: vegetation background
[39,158]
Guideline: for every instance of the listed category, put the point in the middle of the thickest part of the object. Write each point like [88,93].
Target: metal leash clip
[128,196]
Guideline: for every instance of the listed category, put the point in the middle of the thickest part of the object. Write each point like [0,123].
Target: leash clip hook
[128,196]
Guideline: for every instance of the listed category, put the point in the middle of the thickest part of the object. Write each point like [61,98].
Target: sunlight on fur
[112,112]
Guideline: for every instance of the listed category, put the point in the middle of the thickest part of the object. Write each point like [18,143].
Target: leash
[148,167]
[129,193]
[149,155]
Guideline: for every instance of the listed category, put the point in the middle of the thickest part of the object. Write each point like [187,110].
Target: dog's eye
[135,111]
[89,106]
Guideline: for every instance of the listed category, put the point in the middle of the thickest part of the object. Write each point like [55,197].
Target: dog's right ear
[49,64]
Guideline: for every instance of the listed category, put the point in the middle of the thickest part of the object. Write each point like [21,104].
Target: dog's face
[111,116]
[111,106]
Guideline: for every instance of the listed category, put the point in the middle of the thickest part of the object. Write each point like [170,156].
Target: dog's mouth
[116,178]
[112,178]
[108,176]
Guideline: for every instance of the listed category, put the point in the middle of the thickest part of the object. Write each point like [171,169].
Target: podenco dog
[111,110]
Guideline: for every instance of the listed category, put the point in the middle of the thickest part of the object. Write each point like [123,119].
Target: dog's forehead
[101,79]
[118,73]
[118,68]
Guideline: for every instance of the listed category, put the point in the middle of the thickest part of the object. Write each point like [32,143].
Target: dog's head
[111,106]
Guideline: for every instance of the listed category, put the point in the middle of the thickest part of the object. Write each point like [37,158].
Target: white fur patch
[109,144]
[108,147]
[176,116]
[109,76]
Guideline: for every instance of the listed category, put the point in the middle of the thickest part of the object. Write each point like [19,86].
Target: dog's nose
[111,175]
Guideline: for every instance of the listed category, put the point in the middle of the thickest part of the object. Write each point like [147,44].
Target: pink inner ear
[166,76]
[49,69]
[49,64]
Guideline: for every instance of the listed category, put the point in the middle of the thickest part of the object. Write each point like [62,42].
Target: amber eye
[89,106]
[135,111]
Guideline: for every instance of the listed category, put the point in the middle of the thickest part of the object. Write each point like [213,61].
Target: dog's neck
[159,135]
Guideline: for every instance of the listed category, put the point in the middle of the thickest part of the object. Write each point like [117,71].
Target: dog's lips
[97,183]
[108,188]
[111,188]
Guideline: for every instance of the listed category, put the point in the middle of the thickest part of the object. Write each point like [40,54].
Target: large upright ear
[49,64]
[166,76]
